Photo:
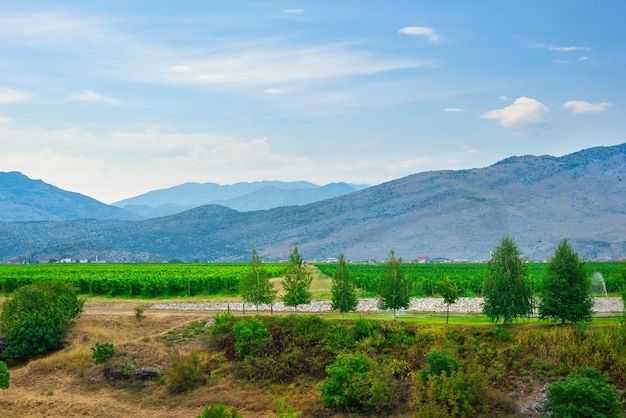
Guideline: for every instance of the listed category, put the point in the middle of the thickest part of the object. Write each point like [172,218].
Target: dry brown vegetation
[67,383]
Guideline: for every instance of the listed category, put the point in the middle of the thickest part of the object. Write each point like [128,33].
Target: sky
[115,98]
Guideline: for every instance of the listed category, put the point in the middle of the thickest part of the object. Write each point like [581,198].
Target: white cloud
[504,99]
[523,111]
[453,109]
[583,106]
[569,48]
[561,48]
[293,11]
[179,69]
[272,91]
[4,120]
[420,31]
[8,96]
[92,96]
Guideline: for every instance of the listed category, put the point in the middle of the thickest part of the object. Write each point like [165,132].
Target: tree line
[507,291]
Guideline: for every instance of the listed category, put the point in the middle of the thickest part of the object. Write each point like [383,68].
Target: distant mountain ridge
[24,199]
[244,197]
[462,215]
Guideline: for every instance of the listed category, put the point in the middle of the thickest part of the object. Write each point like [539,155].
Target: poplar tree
[507,292]
[450,293]
[255,286]
[565,288]
[297,282]
[394,288]
[343,290]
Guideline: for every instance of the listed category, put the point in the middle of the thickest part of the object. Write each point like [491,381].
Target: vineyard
[222,279]
[140,280]
[425,278]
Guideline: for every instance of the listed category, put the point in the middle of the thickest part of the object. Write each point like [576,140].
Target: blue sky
[116,98]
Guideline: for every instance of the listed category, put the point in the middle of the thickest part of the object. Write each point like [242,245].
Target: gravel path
[603,306]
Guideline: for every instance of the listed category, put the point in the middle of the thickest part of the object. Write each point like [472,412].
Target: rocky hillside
[537,200]
[24,199]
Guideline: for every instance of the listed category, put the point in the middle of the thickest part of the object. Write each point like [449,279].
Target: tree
[343,290]
[506,290]
[394,288]
[297,282]
[582,394]
[450,293]
[5,376]
[255,286]
[35,317]
[565,288]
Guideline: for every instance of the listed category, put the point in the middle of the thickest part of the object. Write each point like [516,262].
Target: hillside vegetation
[498,370]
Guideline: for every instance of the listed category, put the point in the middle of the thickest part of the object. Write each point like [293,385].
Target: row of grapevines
[425,278]
[145,280]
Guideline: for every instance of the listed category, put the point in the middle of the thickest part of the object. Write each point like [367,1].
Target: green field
[135,280]
[222,279]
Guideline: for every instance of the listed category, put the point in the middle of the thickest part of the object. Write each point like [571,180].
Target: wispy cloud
[272,91]
[92,96]
[523,111]
[9,96]
[4,120]
[570,48]
[264,63]
[453,110]
[420,31]
[583,106]
[293,11]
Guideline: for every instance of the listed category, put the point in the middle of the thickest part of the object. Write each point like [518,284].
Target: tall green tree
[297,282]
[343,290]
[394,291]
[450,293]
[255,286]
[506,289]
[565,290]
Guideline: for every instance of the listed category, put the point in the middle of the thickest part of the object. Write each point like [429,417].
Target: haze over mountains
[537,200]
[243,197]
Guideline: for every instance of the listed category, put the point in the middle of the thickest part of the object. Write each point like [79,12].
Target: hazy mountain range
[537,200]
[243,197]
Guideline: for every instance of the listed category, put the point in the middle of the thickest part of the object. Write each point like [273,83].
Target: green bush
[452,393]
[250,337]
[35,317]
[582,394]
[5,376]
[102,353]
[355,382]
[185,372]
[438,363]
[219,410]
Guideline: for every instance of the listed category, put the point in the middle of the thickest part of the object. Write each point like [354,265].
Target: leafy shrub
[438,363]
[355,382]
[451,393]
[102,353]
[185,372]
[5,376]
[139,311]
[35,317]
[250,337]
[219,410]
[582,394]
